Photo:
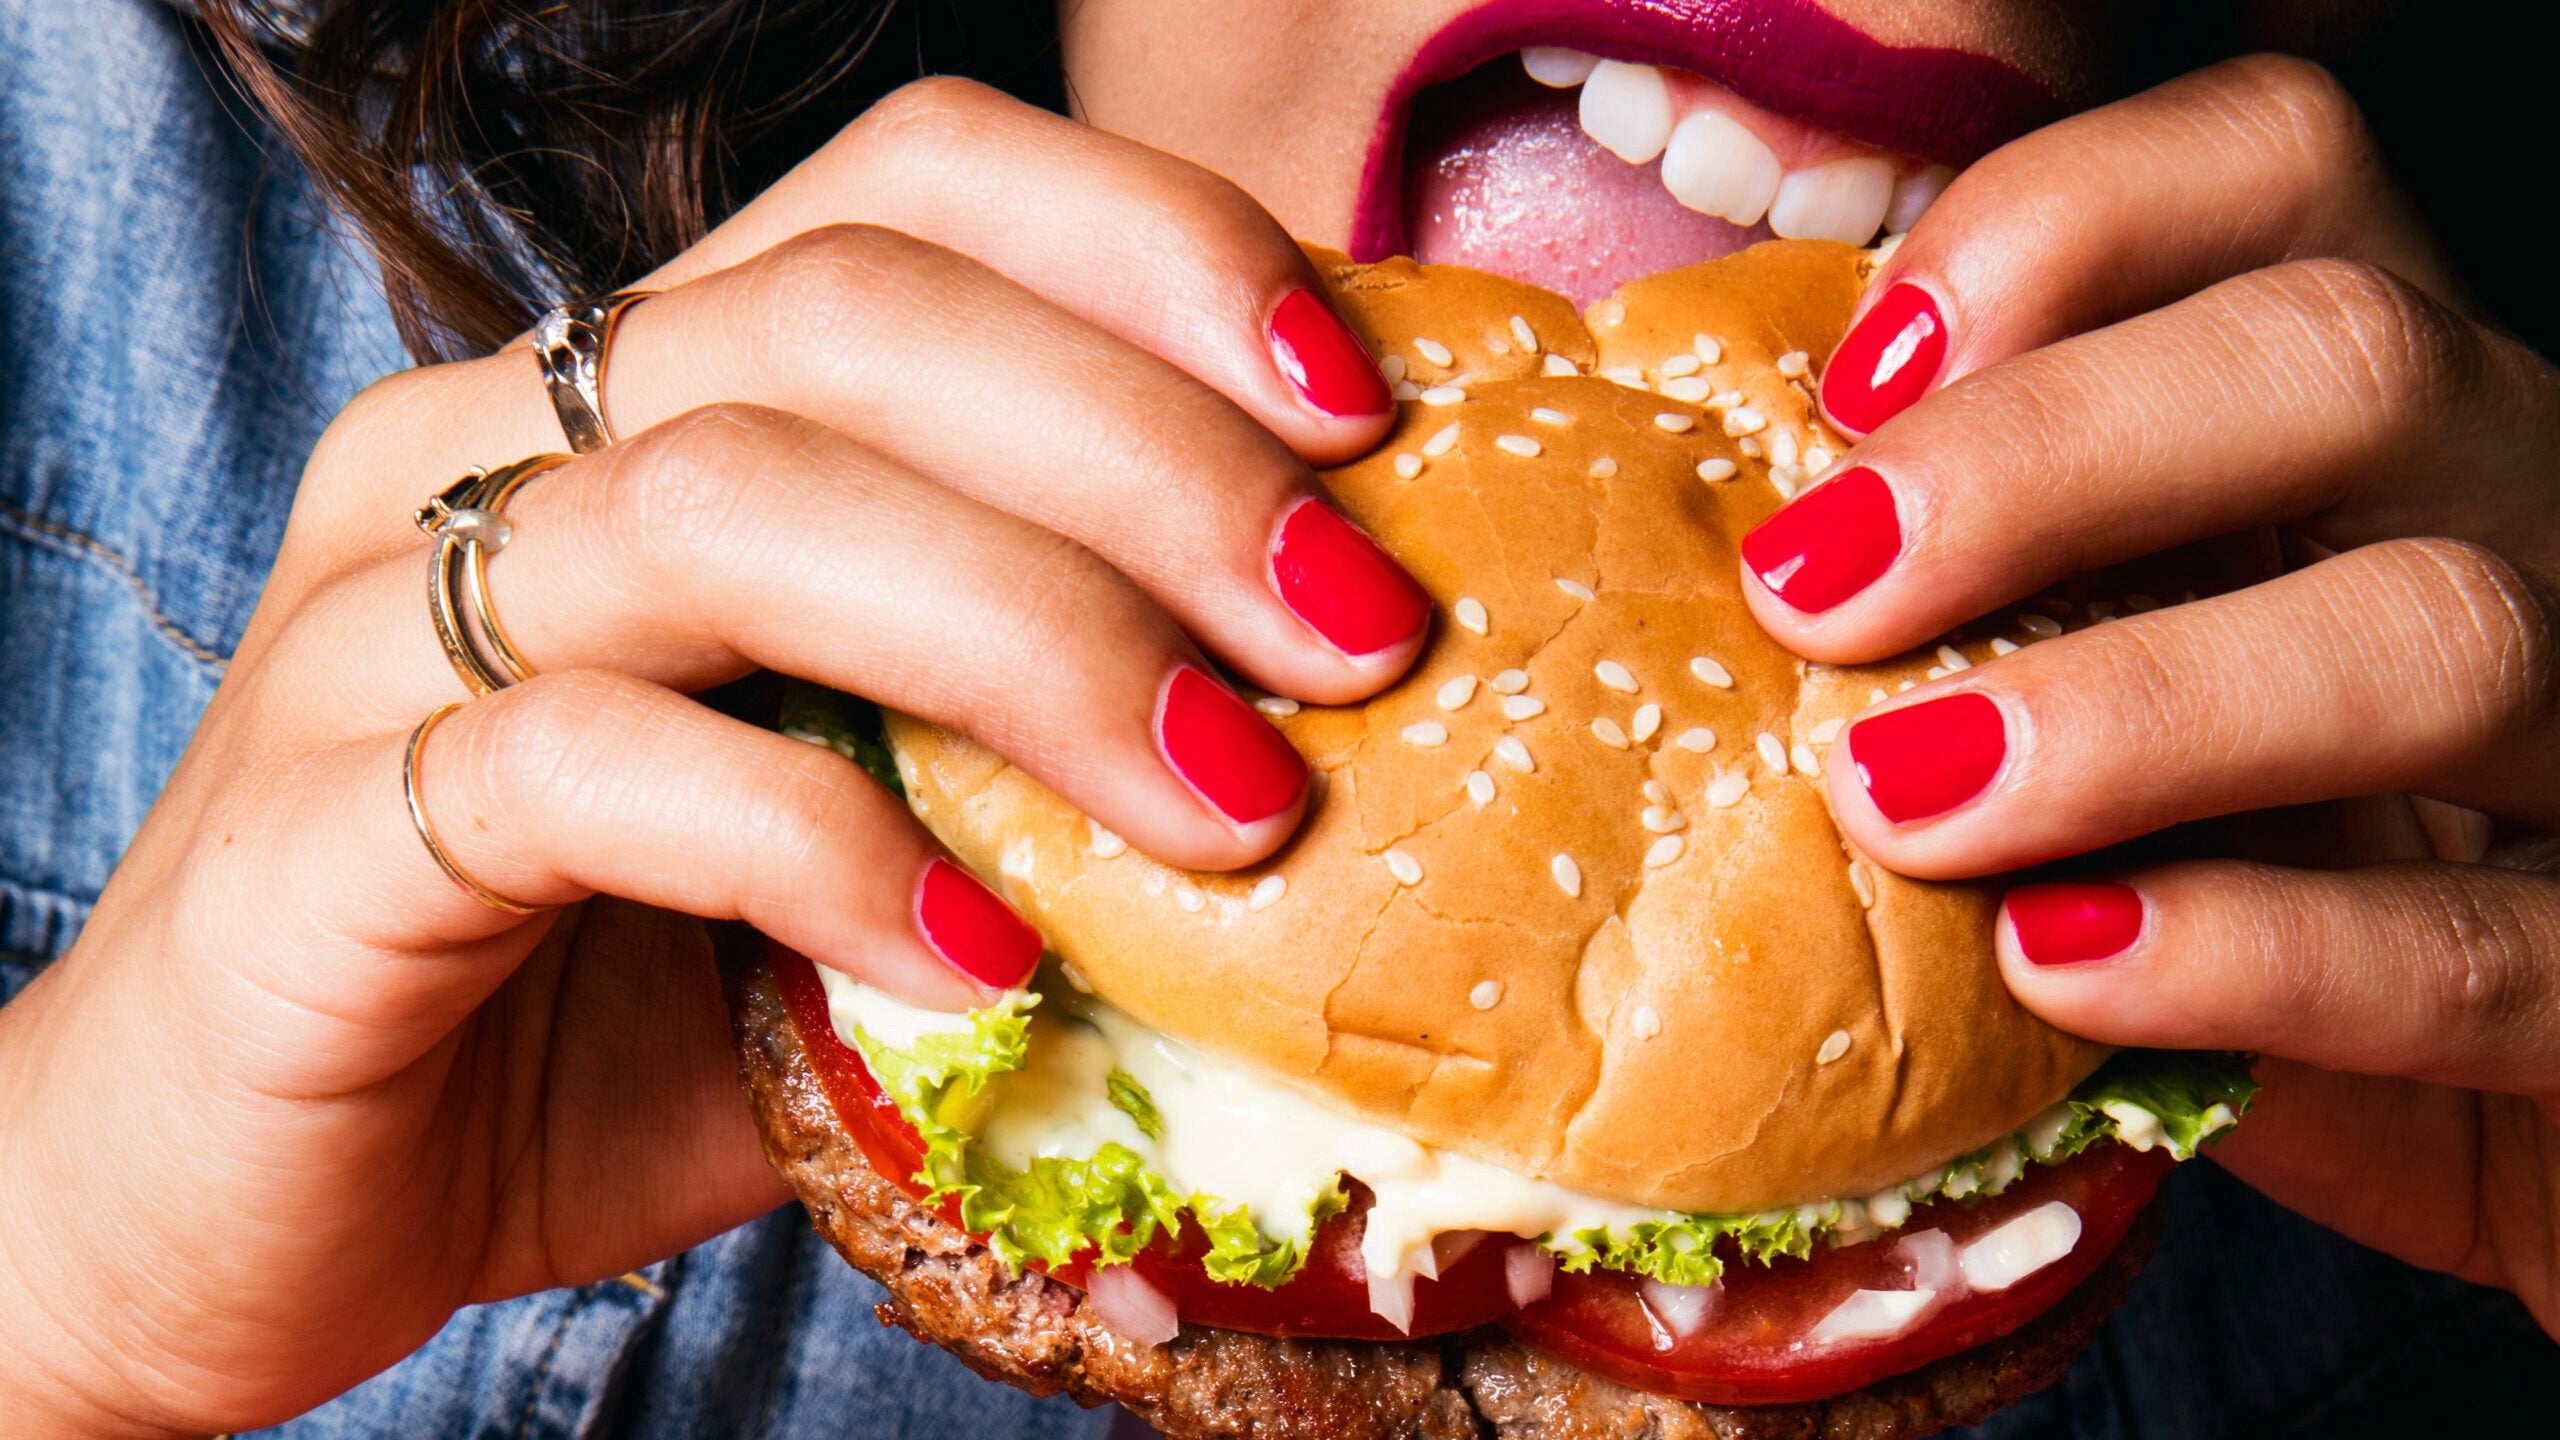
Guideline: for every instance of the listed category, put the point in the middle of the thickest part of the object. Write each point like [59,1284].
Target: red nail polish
[1228,753]
[968,925]
[1828,544]
[1886,361]
[1337,579]
[1321,356]
[1929,758]
[2068,923]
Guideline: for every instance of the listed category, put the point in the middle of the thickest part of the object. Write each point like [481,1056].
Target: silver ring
[571,343]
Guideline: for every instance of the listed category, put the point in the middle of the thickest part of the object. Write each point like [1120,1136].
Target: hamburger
[1567,1073]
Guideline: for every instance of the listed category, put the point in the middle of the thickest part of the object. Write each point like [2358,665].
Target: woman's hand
[980,413]
[2199,311]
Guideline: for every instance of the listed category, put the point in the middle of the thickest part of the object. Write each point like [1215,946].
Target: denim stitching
[542,1374]
[36,530]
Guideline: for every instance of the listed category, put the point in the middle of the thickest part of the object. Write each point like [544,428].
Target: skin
[347,1098]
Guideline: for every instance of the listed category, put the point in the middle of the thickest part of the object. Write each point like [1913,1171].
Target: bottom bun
[1037,1334]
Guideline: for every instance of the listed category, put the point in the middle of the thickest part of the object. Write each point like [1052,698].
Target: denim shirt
[178,320]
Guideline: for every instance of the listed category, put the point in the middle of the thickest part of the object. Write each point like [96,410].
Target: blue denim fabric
[177,323]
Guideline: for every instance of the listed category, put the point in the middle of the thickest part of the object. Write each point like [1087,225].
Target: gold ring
[468,522]
[427,832]
[571,342]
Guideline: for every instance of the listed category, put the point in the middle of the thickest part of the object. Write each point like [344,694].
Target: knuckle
[552,736]
[935,108]
[2306,105]
[2495,626]
[844,281]
[2488,976]
[2382,342]
[686,485]
[1053,600]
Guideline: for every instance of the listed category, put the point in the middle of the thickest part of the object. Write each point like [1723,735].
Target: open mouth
[1580,144]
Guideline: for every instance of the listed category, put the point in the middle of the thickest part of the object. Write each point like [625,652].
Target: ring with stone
[467,520]
[571,342]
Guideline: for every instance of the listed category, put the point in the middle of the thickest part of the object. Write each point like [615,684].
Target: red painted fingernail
[2068,923]
[1929,758]
[1228,753]
[1886,361]
[1337,579]
[968,925]
[1829,544]
[1321,356]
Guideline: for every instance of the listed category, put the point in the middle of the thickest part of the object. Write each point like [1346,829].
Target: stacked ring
[571,342]
[409,790]
[468,522]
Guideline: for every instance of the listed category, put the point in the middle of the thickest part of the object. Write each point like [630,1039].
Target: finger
[2421,665]
[736,538]
[2116,211]
[2315,395]
[1149,247]
[2431,972]
[959,373]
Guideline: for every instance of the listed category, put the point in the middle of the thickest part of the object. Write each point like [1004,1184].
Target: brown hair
[501,155]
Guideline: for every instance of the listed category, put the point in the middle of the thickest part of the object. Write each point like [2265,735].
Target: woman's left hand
[2199,311]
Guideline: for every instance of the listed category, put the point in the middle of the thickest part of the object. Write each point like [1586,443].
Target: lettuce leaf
[847,724]
[1131,1099]
[2193,1094]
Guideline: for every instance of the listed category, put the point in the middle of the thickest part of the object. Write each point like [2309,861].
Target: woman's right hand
[979,413]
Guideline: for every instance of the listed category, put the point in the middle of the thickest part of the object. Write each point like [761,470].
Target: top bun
[1734,1013]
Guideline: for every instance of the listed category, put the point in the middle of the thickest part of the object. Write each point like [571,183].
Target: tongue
[1499,175]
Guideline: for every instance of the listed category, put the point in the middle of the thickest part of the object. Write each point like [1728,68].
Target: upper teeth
[1714,163]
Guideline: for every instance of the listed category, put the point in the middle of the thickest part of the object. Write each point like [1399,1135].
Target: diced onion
[1132,1308]
[1683,1308]
[1448,1248]
[1391,1299]
[1530,1273]
[1874,1315]
[2022,1247]
[1931,1254]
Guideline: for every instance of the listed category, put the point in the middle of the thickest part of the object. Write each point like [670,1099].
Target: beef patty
[1035,1333]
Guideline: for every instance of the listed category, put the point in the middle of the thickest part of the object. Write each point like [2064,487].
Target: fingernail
[1828,544]
[968,925]
[1335,578]
[1231,755]
[1320,355]
[1886,360]
[1929,758]
[2068,923]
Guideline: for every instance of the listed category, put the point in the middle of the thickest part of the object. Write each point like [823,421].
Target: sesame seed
[1863,884]
[1442,442]
[1679,365]
[1648,719]
[1833,1048]
[1573,587]
[2102,609]
[1662,852]
[1613,313]
[1728,790]
[1406,869]
[1953,659]
[1782,447]
[1408,465]
[1392,367]
[1520,445]
[1728,400]
[1479,787]
[1568,875]
[1443,395]
[1938,672]
[1772,753]
[1522,707]
[1711,673]
[1676,424]
[1189,899]
[1558,365]
[1627,375]
[1709,348]
[1406,390]
[1075,977]
[1510,682]
[1278,707]
[1906,685]
[1497,342]
[1748,446]
[1697,740]
[1818,458]
[1105,845]
[2140,604]
[1788,480]
[1807,763]
[1828,730]
[2041,626]
[1741,421]
[1609,733]
[1470,613]
[1427,734]
[1603,468]
[1662,819]
[1688,388]
[2003,645]
[1545,416]
[1716,471]
[1875,695]
[2055,606]
[1646,1022]
[1457,692]
[1433,351]
[1616,676]
[1486,995]
[1794,364]
[1521,332]
[1266,892]
[1514,754]
[1657,792]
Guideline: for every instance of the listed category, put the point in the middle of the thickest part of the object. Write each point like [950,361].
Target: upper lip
[1789,56]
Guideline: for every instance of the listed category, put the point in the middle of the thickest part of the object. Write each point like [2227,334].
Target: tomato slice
[1328,1298]
[1753,1346]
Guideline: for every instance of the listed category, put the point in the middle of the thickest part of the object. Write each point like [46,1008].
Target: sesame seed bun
[1719,1009]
